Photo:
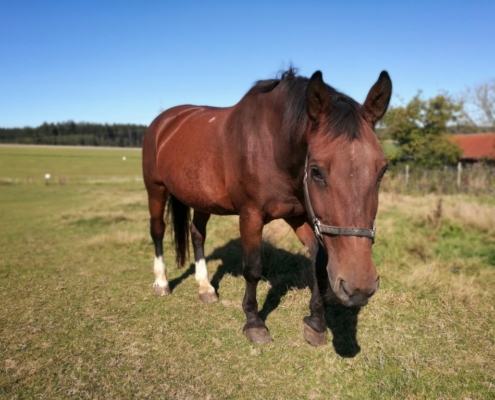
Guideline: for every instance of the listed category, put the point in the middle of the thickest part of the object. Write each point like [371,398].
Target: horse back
[182,150]
[220,160]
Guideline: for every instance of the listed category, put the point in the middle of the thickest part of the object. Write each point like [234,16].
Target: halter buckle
[317,230]
[316,224]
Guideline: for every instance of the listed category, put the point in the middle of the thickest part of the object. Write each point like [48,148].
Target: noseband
[321,229]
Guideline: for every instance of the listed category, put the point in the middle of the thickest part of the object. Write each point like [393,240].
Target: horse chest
[284,208]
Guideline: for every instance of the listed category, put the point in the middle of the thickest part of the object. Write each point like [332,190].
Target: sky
[125,61]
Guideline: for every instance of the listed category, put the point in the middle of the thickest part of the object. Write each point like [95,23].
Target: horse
[292,148]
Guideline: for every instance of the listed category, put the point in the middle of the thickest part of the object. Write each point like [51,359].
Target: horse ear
[317,97]
[376,103]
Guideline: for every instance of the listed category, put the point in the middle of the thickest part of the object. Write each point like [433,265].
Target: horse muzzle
[354,296]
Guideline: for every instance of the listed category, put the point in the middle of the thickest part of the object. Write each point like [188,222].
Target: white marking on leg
[159,270]
[202,277]
[212,119]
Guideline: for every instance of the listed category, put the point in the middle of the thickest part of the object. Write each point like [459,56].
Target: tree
[420,129]
[481,102]
[72,133]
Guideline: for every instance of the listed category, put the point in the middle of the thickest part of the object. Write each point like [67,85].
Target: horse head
[344,166]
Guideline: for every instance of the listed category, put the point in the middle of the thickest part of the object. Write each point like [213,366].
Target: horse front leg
[198,234]
[251,227]
[315,327]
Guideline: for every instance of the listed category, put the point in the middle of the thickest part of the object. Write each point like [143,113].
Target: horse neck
[265,114]
[291,152]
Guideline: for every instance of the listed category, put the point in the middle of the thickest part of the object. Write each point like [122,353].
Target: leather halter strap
[321,229]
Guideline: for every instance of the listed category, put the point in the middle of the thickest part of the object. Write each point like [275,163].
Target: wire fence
[473,179]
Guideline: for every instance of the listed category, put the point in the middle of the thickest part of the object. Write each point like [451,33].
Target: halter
[320,228]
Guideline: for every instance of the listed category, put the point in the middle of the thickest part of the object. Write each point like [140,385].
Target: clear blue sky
[123,61]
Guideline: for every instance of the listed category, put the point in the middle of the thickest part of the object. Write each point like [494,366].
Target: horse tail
[181,219]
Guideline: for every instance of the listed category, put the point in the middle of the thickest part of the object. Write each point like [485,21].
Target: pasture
[78,318]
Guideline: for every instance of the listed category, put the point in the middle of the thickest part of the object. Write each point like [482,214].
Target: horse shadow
[285,271]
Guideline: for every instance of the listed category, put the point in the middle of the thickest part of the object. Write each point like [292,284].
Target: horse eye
[316,174]
[380,177]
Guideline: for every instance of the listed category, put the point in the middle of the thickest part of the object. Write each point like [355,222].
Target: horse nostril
[377,285]
[344,289]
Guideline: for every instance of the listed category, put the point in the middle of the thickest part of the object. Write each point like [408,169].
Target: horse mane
[345,117]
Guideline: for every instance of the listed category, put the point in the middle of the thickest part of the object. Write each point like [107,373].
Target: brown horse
[292,148]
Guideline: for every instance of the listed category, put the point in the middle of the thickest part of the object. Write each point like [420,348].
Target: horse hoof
[161,290]
[208,297]
[313,337]
[258,335]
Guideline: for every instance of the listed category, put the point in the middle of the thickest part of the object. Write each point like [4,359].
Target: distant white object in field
[47,176]
[124,158]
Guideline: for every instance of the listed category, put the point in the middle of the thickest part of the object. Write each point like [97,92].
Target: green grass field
[78,318]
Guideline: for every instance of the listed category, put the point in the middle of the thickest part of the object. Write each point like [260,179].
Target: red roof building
[476,147]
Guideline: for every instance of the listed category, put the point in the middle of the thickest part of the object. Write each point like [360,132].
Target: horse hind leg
[157,197]
[198,234]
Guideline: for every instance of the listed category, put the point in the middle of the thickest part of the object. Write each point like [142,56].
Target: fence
[475,179]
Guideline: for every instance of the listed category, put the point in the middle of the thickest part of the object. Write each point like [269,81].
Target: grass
[29,164]
[79,319]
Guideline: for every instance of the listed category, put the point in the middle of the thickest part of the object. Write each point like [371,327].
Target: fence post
[407,175]
[459,171]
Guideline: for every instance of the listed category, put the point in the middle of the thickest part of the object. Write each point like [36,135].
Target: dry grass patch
[472,214]
[277,231]
[437,277]
[460,209]
[119,238]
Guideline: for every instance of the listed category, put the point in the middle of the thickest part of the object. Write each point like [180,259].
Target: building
[476,147]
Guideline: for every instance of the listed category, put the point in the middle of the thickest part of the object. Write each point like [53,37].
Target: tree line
[416,133]
[76,134]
